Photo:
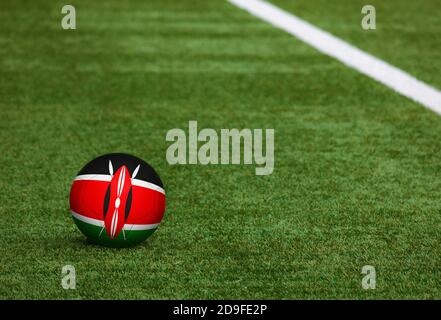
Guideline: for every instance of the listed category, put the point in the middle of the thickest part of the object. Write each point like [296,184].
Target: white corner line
[351,56]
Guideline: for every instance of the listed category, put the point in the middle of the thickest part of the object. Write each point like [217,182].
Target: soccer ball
[117,200]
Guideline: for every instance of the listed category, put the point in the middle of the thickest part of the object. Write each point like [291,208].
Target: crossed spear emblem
[112,224]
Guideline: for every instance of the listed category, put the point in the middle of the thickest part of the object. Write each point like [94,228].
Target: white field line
[351,56]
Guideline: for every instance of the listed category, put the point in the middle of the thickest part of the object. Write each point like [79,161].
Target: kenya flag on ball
[117,200]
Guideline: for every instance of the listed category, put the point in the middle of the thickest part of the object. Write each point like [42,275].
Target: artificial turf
[356,178]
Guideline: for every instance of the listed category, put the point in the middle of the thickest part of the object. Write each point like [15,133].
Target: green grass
[357,173]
